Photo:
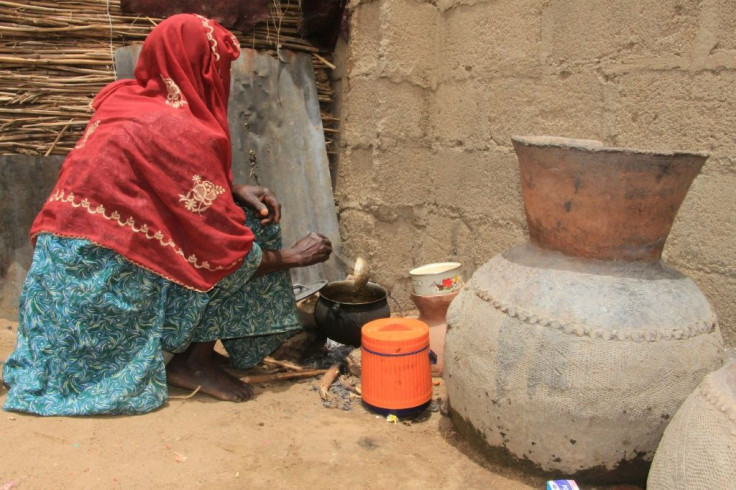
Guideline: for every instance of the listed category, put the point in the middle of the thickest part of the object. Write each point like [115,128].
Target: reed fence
[55,56]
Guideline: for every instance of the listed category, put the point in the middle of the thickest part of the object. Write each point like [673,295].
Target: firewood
[269,378]
[327,379]
[283,364]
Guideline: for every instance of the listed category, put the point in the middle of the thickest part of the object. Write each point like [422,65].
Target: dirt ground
[284,438]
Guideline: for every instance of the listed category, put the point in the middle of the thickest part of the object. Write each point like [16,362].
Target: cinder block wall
[430,93]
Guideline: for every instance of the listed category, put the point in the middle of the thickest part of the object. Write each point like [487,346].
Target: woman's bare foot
[196,368]
[220,360]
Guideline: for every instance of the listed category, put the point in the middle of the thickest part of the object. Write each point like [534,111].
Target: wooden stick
[324,61]
[186,397]
[284,364]
[58,137]
[354,389]
[269,378]
[327,379]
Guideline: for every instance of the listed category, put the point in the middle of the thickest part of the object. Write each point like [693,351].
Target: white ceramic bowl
[437,278]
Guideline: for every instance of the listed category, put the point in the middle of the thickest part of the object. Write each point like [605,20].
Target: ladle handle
[342,259]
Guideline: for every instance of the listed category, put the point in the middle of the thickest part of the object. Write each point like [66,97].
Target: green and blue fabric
[93,326]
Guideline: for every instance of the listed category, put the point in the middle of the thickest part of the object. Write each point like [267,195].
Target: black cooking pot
[341,311]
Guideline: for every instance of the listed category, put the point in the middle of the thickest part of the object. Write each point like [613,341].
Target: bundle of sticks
[55,56]
[273,370]
[278,370]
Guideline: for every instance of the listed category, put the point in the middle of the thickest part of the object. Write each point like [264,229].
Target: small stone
[353,361]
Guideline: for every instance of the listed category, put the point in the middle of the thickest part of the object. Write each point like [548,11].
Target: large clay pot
[698,448]
[569,354]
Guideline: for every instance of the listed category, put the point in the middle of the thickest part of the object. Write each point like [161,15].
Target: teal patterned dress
[93,326]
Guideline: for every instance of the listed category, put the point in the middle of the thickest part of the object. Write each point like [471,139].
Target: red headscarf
[151,178]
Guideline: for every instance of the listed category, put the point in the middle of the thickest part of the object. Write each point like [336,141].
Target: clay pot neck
[587,200]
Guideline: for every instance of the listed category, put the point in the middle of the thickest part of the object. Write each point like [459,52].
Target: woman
[141,247]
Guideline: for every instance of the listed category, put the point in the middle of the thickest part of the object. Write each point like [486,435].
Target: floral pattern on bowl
[448,284]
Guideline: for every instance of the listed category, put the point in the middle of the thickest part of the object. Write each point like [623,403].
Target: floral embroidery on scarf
[174,98]
[235,41]
[202,195]
[72,199]
[87,134]
[210,37]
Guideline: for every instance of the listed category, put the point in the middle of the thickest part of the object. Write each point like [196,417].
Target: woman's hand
[261,199]
[312,249]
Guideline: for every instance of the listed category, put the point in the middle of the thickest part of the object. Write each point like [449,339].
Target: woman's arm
[312,249]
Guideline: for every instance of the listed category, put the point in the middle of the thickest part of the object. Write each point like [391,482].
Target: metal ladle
[361,274]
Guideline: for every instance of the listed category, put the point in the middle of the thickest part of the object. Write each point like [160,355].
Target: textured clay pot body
[569,354]
[698,448]
[433,312]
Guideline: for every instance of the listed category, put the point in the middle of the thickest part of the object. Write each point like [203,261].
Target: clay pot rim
[596,146]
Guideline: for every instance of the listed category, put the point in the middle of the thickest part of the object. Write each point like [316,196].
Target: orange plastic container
[395,375]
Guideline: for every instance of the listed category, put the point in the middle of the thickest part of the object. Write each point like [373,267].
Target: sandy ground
[285,438]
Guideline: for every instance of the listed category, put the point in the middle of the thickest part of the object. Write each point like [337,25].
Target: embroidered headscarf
[151,176]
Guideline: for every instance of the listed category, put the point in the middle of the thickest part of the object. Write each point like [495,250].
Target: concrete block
[404,109]
[490,236]
[676,110]
[360,113]
[402,176]
[477,183]
[579,30]
[354,175]
[357,229]
[703,236]
[400,254]
[365,24]
[575,105]
[458,115]
[441,240]
[409,41]
[490,39]
[382,108]
[724,17]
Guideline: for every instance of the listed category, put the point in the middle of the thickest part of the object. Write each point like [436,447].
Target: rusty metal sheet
[278,141]
[125,60]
